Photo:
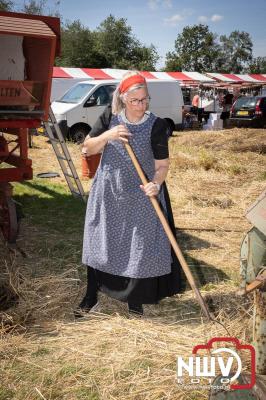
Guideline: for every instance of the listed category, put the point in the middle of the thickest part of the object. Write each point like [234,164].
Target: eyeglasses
[136,102]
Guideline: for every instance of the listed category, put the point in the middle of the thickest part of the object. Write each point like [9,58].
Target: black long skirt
[141,290]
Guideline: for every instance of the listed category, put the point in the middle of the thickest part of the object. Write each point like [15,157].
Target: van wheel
[78,134]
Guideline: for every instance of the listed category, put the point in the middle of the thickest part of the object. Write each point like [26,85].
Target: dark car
[249,111]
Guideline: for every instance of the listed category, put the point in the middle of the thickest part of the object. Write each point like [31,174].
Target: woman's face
[136,102]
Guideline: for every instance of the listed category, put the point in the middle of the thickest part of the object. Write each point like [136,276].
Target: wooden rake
[170,235]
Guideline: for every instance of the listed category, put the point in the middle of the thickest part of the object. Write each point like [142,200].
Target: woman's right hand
[118,132]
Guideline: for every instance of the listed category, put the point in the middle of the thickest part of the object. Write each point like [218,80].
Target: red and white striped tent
[64,78]
[184,77]
[239,78]
[111,73]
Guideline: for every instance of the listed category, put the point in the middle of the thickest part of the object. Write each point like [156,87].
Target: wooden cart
[29,45]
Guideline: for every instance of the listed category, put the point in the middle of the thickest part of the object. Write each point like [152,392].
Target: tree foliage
[198,49]
[121,48]
[6,5]
[195,50]
[39,7]
[236,51]
[79,47]
[257,65]
[111,45]
[114,40]
[34,7]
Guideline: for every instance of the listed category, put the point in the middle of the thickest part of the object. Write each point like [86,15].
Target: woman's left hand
[150,189]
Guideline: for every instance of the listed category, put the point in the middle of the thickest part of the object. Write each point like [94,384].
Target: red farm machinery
[29,45]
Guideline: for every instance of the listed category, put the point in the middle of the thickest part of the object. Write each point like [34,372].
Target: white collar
[126,121]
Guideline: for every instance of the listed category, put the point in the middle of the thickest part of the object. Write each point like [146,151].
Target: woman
[125,248]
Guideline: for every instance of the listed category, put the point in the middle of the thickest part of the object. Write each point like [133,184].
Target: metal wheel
[8,218]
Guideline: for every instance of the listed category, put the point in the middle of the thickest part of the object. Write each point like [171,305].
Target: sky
[158,22]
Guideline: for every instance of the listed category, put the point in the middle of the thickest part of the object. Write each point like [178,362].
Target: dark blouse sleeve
[102,123]
[159,139]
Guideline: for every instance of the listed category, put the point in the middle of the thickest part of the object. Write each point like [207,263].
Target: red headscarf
[131,81]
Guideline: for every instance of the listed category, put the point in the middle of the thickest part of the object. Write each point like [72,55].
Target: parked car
[249,111]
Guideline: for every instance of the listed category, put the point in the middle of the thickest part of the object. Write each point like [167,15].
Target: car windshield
[246,102]
[76,93]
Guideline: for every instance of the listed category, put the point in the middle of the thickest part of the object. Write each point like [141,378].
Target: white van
[78,109]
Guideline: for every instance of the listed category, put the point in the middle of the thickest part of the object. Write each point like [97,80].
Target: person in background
[236,94]
[126,251]
[195,107]
[195,100]
[227,104]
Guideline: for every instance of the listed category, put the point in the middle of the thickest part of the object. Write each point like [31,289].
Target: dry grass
[45,354]
[108,357]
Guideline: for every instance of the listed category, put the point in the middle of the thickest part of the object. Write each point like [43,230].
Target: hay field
[46,354]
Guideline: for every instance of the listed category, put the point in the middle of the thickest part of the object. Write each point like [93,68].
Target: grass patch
[262,176]
[50,205]
[6,394]
[206,160]
[235,169]
[41,352]
[84,393]
[68,370]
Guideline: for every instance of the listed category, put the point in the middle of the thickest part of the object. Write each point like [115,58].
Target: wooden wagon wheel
[8,218]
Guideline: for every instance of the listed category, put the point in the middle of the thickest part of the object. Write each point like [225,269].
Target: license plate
[242,112]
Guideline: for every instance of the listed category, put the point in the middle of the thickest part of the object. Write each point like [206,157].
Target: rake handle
[169,234]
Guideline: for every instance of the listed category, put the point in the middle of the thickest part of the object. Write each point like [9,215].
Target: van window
[186,95]
[110,89]
[76,93]
[102,96]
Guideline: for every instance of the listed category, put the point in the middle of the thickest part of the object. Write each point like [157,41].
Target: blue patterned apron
[123,235]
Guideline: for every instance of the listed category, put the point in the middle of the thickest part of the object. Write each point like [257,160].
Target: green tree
[143,57]
[39,7]
[116,42]
[6,5]
[111,45]
[236,52]
[34,7]
[196,49]
[79,47]
[257,66]
[173,63]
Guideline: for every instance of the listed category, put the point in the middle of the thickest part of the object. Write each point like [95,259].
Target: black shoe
[85,307]
[135,309]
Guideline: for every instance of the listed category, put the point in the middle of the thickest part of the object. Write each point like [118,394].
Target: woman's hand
[118,132]
[150,189]
[96,144]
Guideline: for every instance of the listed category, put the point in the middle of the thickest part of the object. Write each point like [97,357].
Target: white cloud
[174,19]
[167,3]
[202,18]
[216,18]
[155,4]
